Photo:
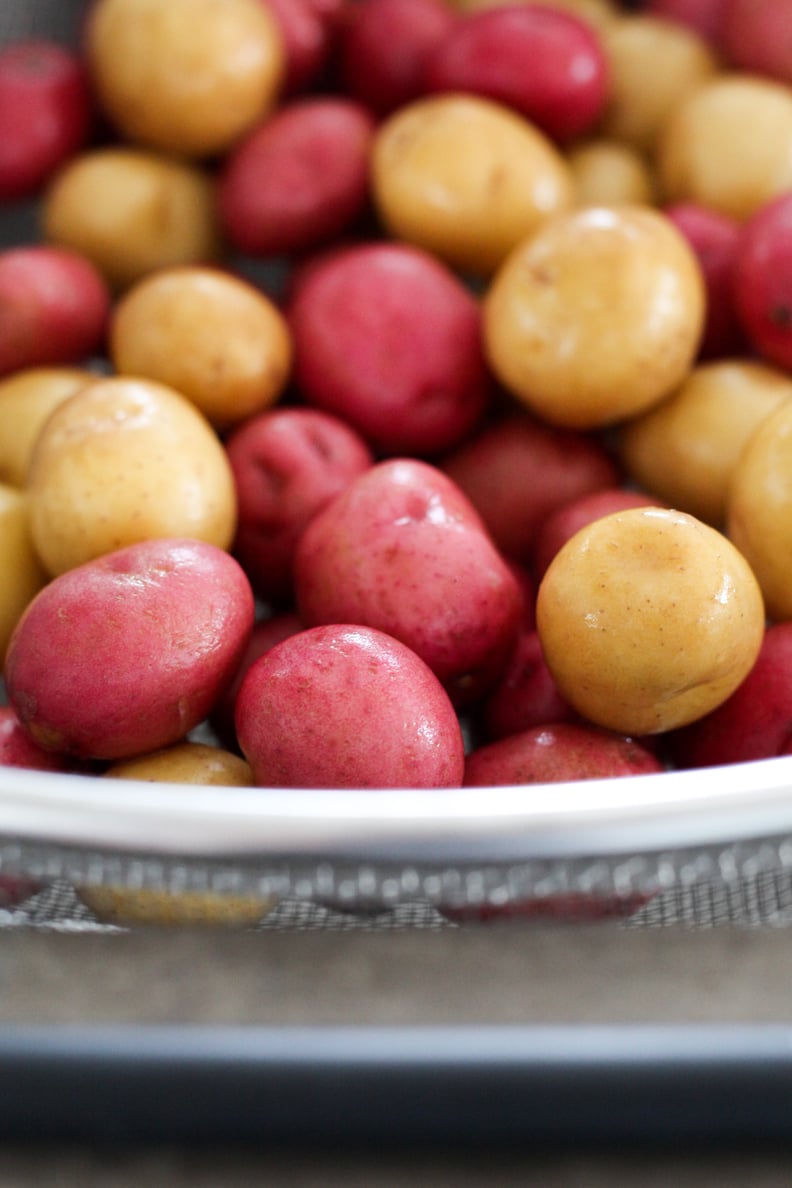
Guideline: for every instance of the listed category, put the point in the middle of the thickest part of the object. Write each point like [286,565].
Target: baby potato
[187,77]
[131,212]
[26,400]
[597,316]
[185,763]
[466,178]
[126,460]
[606,172]
[642,96]
[685,449]
[212,336]
[759,508]
[23,575]
[649,619]
[728,145]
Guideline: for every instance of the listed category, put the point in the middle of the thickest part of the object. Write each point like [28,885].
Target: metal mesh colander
[699,849]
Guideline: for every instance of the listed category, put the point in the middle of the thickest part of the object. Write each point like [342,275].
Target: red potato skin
[543,63]
[555,753]
[17,748]
[562,524]
[403,551]
[389,339]
[306,41]
[762,280]
[517,471]
[344,706]
[714,237]
[128,653]
[526,695]
[266,633]
[46,114]
[287,463]
[383,46]
[54,308]
[755,722]
[704,17]
[756,37]
[299,180]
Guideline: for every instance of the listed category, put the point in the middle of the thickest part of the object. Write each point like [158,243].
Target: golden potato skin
[126,460]
[184,763]
[607,172]
[595,317]
[649,619]
[132,212]
[728,145]
[188,77]
[466,178]
[23,575]
[211,336]
[759,509]
[685,449]
[26,400]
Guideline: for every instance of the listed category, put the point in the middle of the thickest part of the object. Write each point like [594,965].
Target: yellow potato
[188,77]
[126,460]
[26,400]
[466,179]
[132,212]
[728,145]
[184,763]
[653,64]
[213,337]
[597,316]
[607,172]
[22,572]
[759,509]
[649,619]
[685,449]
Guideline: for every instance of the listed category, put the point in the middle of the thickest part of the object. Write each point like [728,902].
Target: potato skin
[556,752]
[343,706]
[128,653]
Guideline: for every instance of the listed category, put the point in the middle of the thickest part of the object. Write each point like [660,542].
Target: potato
[685,449]
[403,550]
[555,752]
[26,400]
[466,178]
[597,316]
[387,338]
[23,575]
[122,461]
[131,212]
[187,77]
[185,763]
[606,172]
[288,463]
[759,508]
[346,706]
[648,619]
[213,337]
[126,654]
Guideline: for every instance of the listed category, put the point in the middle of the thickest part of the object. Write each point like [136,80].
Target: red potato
[526,695]
[345,706]
[287,464]
[46,113]
[704,17]
[17,748]
[714,238]
[517,471]
[403,550]
[762,279]
[389,339]
[299,179]
[542,62]
[558,752]
[756,36]
[562,524]
[383,46]
[266,633]
[128,653]
[755,722]
[306,43]
[54,307]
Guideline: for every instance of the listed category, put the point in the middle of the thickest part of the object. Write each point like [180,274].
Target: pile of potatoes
[401,387]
